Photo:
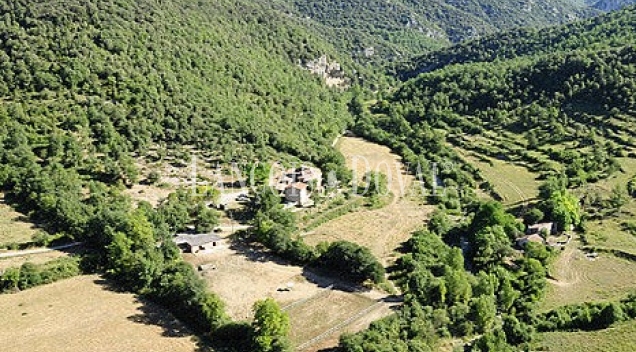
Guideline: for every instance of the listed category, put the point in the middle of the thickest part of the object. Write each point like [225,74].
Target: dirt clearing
[82,314]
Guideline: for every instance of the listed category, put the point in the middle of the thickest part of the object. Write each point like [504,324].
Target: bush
[352,261]
[31,275]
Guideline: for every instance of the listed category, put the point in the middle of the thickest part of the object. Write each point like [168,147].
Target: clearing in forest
[83,314]
[381,230]
[515,184]
[242,275]
[13,229]
[579,279]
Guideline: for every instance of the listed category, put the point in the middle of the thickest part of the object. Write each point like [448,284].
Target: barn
[201,243]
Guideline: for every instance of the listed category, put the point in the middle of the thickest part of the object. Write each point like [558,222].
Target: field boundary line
[322,292]
[339,326]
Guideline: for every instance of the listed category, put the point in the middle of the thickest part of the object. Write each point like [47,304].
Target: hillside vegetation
[221,75]
[407,27]
[567,110]
[564,110]
[611,30]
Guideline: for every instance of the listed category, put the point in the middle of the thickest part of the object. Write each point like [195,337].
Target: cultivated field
[241,276]
[308,322]
[82,314]
[515,184]
[619,338]
[12,228]
[579,279]
[382,230]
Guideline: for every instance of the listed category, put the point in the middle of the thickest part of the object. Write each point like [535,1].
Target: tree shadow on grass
[152,314]
[257,253]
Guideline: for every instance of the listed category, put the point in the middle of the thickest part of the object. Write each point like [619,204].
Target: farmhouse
[201,243]
[522,241]
[298,194]
[549,228]
[297,184]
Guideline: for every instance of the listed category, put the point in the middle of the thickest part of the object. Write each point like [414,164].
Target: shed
[198,243]
[548,227]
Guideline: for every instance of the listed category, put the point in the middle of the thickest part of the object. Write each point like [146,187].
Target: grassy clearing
[82,314]
[620,338]
[608,232]
[37,259]
[12,228]
[579,279]
[381,230]
[312,319]
[515,184]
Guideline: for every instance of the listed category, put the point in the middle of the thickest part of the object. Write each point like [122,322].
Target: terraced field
[382,230]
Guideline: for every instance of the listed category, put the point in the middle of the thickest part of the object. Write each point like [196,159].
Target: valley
[290,175]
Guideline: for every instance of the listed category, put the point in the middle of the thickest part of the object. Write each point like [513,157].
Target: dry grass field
[12,228]
[243,276]
[619,338]
[308,322]
[515,184]
[82,314]
[580,279]
[382,230]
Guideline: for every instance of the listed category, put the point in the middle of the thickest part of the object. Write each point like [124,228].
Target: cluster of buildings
[296,185]
[538,233]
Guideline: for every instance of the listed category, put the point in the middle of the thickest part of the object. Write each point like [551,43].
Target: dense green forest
[403,28]
[223,76]
[611,30]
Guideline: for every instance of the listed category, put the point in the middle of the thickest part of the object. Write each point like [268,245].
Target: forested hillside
[224,76]
[610,5]
[569,99]
[88,87]
[407,27]
[611,30]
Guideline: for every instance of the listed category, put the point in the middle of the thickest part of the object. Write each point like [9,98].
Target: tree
[618,198]
[533,216]
[564,209]
[439,222]
[206,219]
[610,314]
[271,327]
[483,311]
[153,177]
[352,261]
[516,331]
[490,246]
